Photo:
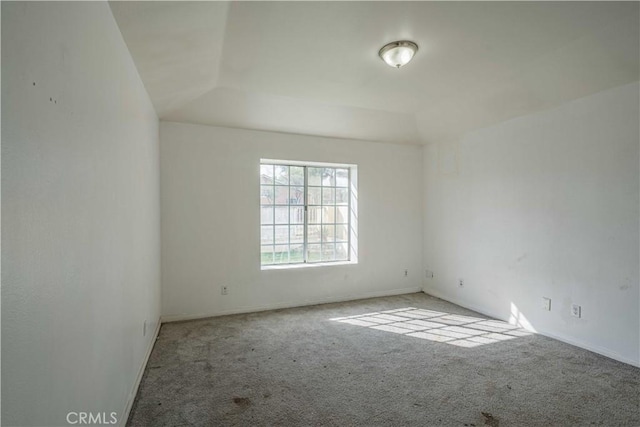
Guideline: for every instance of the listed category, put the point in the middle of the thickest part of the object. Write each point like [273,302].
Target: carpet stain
[242,402]
[490,420]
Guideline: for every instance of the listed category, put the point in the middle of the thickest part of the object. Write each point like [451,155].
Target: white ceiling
[312,67]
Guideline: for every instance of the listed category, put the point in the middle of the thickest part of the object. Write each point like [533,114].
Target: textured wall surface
[544,206]
[211,221]
[80,214]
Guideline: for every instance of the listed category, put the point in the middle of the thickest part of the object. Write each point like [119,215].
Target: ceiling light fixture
[397,54]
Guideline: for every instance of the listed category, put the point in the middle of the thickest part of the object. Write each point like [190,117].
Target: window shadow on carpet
[454,329]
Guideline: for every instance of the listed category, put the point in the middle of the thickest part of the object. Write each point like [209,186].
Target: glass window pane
[296,253]
[266,235]
[281,254]
[281,176]
[296,234]
[315,176]
[266,194]
[342,214]
[282,214]
[296,175]
[266,174]
[342,233]
[266,254]
[296,215]
[282,234]
[296,195]
[328,233]
[328,214]
[313,234]
[282,195]
[342,251]
[315,253]
[329,177]
[342,177]
[315,214]
[315,194]
[328,252]
[342,196]
[266,215]
[328,196]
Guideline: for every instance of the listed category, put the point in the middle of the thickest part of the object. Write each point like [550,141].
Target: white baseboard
[569,340]
[253,309]
[480,310]
[132,396]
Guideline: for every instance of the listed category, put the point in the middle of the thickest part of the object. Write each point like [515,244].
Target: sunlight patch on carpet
[454,329]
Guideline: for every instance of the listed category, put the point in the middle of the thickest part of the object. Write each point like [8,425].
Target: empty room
[320,213]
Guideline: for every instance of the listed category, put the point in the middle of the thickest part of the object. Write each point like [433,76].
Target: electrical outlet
[576,310]
[224,290]
[406,273]
[428,274]
[546,303]
[461,283]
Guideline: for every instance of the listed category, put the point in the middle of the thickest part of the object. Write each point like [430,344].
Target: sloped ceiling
[312,67]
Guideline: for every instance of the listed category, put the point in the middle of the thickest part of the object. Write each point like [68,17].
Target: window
[307,212]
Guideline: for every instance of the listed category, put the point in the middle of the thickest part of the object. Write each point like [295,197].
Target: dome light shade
[397,54]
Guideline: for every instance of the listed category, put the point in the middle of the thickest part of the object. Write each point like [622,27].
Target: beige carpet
[410,360]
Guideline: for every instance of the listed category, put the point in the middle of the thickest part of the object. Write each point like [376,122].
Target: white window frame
[352,209]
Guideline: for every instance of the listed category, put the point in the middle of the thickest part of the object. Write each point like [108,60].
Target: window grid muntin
[334,242]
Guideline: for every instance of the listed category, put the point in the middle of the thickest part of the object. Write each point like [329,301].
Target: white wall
[210,221]
[544,205]
[80,214]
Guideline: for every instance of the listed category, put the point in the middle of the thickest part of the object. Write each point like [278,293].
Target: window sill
[306,265]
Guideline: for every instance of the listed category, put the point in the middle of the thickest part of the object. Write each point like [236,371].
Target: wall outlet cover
[576,310]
